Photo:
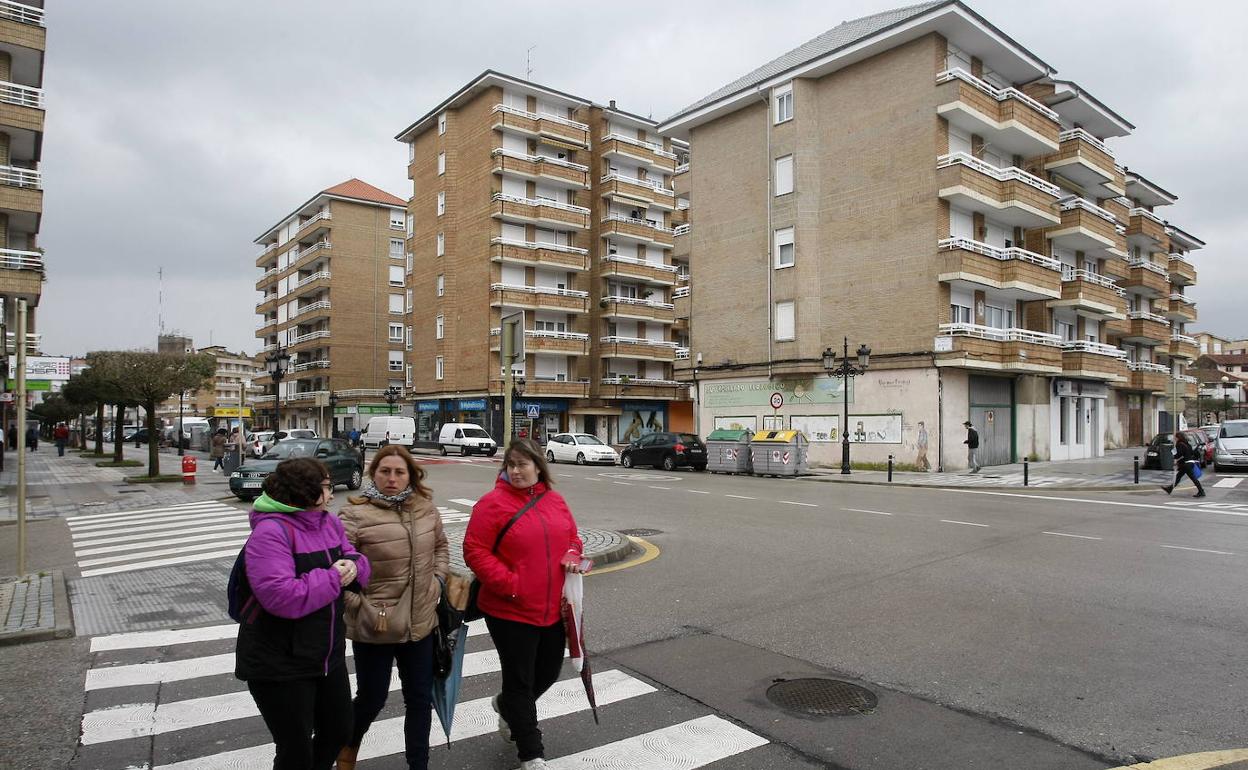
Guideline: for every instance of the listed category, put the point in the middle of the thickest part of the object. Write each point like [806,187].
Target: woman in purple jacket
[292,655]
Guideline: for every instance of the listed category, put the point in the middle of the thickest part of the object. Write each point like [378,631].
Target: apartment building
[530,201]
[919,182]
[335,300]
[225,398]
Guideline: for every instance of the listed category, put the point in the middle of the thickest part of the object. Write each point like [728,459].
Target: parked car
[467,438]
[669,450]
[1152,456]
[139,436]
[580,448]
[1231,447]
[282,435]
[1206,445]
[259,443]
[345,466]
[400,430]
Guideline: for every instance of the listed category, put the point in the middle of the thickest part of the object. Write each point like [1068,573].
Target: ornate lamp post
[845,370]
[333,414]
[181,452]
[1222,393]
[277,363]
[392,395]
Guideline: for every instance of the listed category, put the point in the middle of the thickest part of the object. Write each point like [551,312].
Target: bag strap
[532,502]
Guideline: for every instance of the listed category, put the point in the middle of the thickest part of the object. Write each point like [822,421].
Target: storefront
[538,418]
[356,416]
[432,414]
[1077,419]
[638,419]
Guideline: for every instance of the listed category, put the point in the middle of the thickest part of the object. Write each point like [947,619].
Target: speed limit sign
[777,400]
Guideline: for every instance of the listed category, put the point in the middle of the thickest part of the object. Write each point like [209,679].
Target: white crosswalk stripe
[127,728]
[110,543]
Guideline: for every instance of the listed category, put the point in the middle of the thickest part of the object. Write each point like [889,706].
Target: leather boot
[346,758]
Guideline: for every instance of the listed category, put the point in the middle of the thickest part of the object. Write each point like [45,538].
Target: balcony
[1147,230]
[313,396]
[1022,274]
[264,324]
[637,230]
[651,154]
[1183,346]
[547,387]
[641,309]
[311,311]
[1182,272]
[310,338]
[1005,350]
[539,210]
[1094,360]
[627,387]
[631,189]
[267,305]
[1011,120]
[21,189]
[1086,161]
[21,13]
[1191,386]
[21,106]
[317,222]
[562,130]
[539,167]
[34,342]
[1093,295]
[1180,308]
[539,298]
[615,265]
[539,254]
[541,341]
[680,243]
[1146,277]
[1147,376]
[307,366]
[682,304]
[683,168]
[25,271]
[302,257]
[1009,195]
[637,348]
[315,282]
[1142,327]
[268,277]
[1089,228]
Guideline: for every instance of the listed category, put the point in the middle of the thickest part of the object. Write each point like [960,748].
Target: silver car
[1231,448]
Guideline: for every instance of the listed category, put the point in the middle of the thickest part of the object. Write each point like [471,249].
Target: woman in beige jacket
[395,524]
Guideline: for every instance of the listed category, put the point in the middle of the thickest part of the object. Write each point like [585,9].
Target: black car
[669,450]
[139,436]
[344,463]
[1196,439]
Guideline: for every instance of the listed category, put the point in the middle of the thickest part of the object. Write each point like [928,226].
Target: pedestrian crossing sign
[534,411]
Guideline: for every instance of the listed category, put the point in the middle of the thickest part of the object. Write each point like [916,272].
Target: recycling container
[728,451]
[779,453]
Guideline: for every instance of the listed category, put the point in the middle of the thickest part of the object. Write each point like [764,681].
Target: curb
[616,554]
[979,487]
[63,625]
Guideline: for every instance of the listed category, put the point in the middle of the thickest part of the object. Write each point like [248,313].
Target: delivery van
[467,438]
[390,430]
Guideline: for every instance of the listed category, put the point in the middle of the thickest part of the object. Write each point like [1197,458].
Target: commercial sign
[227,411]
[471,405]
[795,393]
[32,385]
[543,406]
[427,406]
[378,409]
[47,367]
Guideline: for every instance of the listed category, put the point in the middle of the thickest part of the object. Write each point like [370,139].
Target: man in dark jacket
[972,447]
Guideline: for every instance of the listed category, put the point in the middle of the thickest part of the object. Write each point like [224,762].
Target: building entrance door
[992,414]
[1135,420]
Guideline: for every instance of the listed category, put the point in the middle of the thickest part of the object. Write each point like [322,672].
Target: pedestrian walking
[972,447]
[395,524]
[1188,460]
[299,563]
[355,437]
[219,441]
[521,578]
[12,437]
[32,438]
[60,435]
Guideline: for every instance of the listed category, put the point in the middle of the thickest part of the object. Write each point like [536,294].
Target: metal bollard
[1136,460]
[1026,472]
[890,467]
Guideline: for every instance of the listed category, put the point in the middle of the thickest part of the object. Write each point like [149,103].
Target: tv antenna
[528,67]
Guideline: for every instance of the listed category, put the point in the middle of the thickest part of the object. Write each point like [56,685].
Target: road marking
[741,497]
[1207,760]
[136,640]
[214,519]
[237,542]
[159,562]
[1200,550]
[1168,507]
[698,492]
[1228,483]
[142,522]
[650,552]
[220,529]
[791,502]
[967,523]
[463,501]
[864,510]
[654,487]
[692,744]
[95,518]
[1067,534]
[623,483]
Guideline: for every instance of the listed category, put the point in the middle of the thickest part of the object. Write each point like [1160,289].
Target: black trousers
[373,663]
[1186,469]
[310,719]
[531,657]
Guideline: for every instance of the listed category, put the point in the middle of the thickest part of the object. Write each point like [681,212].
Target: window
[407,375]
[959,314]
[441,124]
[407,297]
[1080,437]
[396,360]
[785,251]
[1063,420]
[1065,330]
[786,321]
[441,203]
[550,326]
[998,317]
[784,175]
[396,332]
[439,327]
[411,151]
[408,338]
[411,225]
[441,285]
[396,303]
[396,248]
[396,275]
[441,163]
[783,103]
[441,244]
[439,368]
[398,220]
[407,263]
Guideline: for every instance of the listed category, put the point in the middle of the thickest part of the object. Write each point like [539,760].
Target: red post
[188,469]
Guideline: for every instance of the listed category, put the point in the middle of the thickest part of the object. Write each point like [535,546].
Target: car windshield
[590,440]
[1235,430]
[475,433]
[291,448]
[1163,438]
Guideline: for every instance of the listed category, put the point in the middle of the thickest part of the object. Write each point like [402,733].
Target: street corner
[1229,759]
[641,552]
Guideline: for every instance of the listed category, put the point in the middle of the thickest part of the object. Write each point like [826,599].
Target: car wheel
[550,457]
[699,468]
[580,458]
[626,460]
[442,449]
[492,452]
[669,463]
[357,479]
[463,451]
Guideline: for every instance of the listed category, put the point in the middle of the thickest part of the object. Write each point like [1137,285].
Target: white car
[259,443]
[580,448]
[1231,449]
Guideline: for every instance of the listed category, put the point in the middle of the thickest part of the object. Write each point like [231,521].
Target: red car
[1206,447]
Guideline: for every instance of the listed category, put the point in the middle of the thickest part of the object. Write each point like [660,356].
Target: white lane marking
[624,483]
[967,523]
[697,492]
[177,524]
[741,497]
[159,518]
[472,718]
[1199,550]
[654,487]
[463,501]
[791,502]
[234,531]
[1228,483]
[688,745]
[114,514]
[865,510]
[185,559]
[138,540]
[236,542]
[137,640]
[1067,534]
[1169,507]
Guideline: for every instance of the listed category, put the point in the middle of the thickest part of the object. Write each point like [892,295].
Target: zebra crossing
[455,515]
[168,700]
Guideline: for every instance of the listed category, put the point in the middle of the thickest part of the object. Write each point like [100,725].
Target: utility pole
[20,403]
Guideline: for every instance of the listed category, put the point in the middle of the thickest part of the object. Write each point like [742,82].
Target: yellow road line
[1208,760]
[650,552]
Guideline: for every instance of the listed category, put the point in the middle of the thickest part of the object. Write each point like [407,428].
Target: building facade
[531,202]
[226,399]
[917,181]
[335,298]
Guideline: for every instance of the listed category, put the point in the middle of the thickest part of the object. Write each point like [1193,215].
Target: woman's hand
[572,562]
[347,571]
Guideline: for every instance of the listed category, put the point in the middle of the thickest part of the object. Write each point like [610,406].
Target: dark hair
[531,450]
[414,472]
[297,482]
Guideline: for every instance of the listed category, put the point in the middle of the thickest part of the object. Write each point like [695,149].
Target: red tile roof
[354,188]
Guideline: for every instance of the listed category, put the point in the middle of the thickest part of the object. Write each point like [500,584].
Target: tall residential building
[917,181]
[527,200]
[335,299]
[224,399]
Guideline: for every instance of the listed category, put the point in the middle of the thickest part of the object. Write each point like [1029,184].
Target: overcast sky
[177,132]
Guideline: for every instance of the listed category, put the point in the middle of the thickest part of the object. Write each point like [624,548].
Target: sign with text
[795,393]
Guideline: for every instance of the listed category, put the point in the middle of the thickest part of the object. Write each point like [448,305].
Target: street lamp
[277,362]
[181,452]
[243,385]
[392,395]
[333,414]
[518,385]
[1222,392]
[845,370]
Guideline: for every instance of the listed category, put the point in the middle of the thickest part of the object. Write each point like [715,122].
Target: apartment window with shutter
[407,375]
[408,338]
[786,321]
[411,225]
[396,248]
[441,124]
[397,220]
[784,175]
[959,314]
[396,275]
[396,304]
[441,203]
[396,360]
[407,297]
[441,244]
[407,264]
[441,285]
[439,327]
[783,103]
[785,250]
[396,332]
[441,163]
[439,368]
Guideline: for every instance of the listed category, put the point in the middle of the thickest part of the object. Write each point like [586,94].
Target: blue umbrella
[450,639]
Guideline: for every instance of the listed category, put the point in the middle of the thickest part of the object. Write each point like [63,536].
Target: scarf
[371,492]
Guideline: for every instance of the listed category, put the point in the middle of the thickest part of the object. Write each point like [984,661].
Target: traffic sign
[6,397]
[534,411]
[777,400]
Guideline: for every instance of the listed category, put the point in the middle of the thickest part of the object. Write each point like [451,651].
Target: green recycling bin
[728,451]
[779,453]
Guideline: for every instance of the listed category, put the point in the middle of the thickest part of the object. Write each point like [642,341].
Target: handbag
[471,610]
[1196,471]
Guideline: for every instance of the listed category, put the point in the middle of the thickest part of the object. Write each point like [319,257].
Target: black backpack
[242,605]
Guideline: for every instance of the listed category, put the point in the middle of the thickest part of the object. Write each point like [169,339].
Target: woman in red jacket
[521,578]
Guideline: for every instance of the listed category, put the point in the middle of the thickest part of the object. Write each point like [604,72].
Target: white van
[390,430]
[466,437]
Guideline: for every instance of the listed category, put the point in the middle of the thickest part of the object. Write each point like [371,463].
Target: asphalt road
[1098,627]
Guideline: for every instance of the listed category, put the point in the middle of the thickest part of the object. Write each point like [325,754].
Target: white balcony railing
[362,393]
[26,14]
[682,168]
[1095,348]
[1176,297]
[22,96]
[534,245]
[640,262]
[311,308]
[266,399]
[33,342]
[1071,274]
[640,302]
[1145,315]
[318,335]
[268,249]
[540,116]
[538,290]
[266,324]
[648,184]
[1147,264]
[1175,257]
[1189,379]
[628,380]
[657,149]
[1142,212]
[1079,133]
[1000,335]
[1000,174]
[1000,94]
[538,159]
[307,395]
[21,177]
[637,341]
[682,354]
[267,274]
[639,222]
[12,259]
[268,298]
[312,279]
[1070,204]
[548,335]
[317,217]
[680,292]
[540,202]
[1176,337]
[1147,366]
[1000,253]
[322,363]
[680,230]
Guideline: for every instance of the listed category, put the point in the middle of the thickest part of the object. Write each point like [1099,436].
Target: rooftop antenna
[528,67]
[160,314]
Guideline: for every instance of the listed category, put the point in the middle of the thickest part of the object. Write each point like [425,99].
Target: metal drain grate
[821,697]
[641,532]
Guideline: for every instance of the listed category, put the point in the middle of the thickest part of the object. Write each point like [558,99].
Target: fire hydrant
[188,469]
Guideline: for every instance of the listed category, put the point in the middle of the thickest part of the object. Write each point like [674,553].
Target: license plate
[252,484]
[695,451]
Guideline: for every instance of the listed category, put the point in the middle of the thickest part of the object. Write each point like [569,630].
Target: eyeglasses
[327,485]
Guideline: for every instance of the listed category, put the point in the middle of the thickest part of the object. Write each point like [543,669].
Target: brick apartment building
[918,181]
[529,200]
[335,299]
[225,400]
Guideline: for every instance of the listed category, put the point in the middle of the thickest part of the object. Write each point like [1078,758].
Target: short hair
[297,482]
[414,472]
[531,450]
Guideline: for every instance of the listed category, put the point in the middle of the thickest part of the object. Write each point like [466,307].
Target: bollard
[890,467]
[1136,460]
[1026,472]
[188,469]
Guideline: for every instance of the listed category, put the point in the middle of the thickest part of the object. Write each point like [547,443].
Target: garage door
[992,414]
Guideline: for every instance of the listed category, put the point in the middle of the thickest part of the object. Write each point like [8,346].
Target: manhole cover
[821,697]
[641,532]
